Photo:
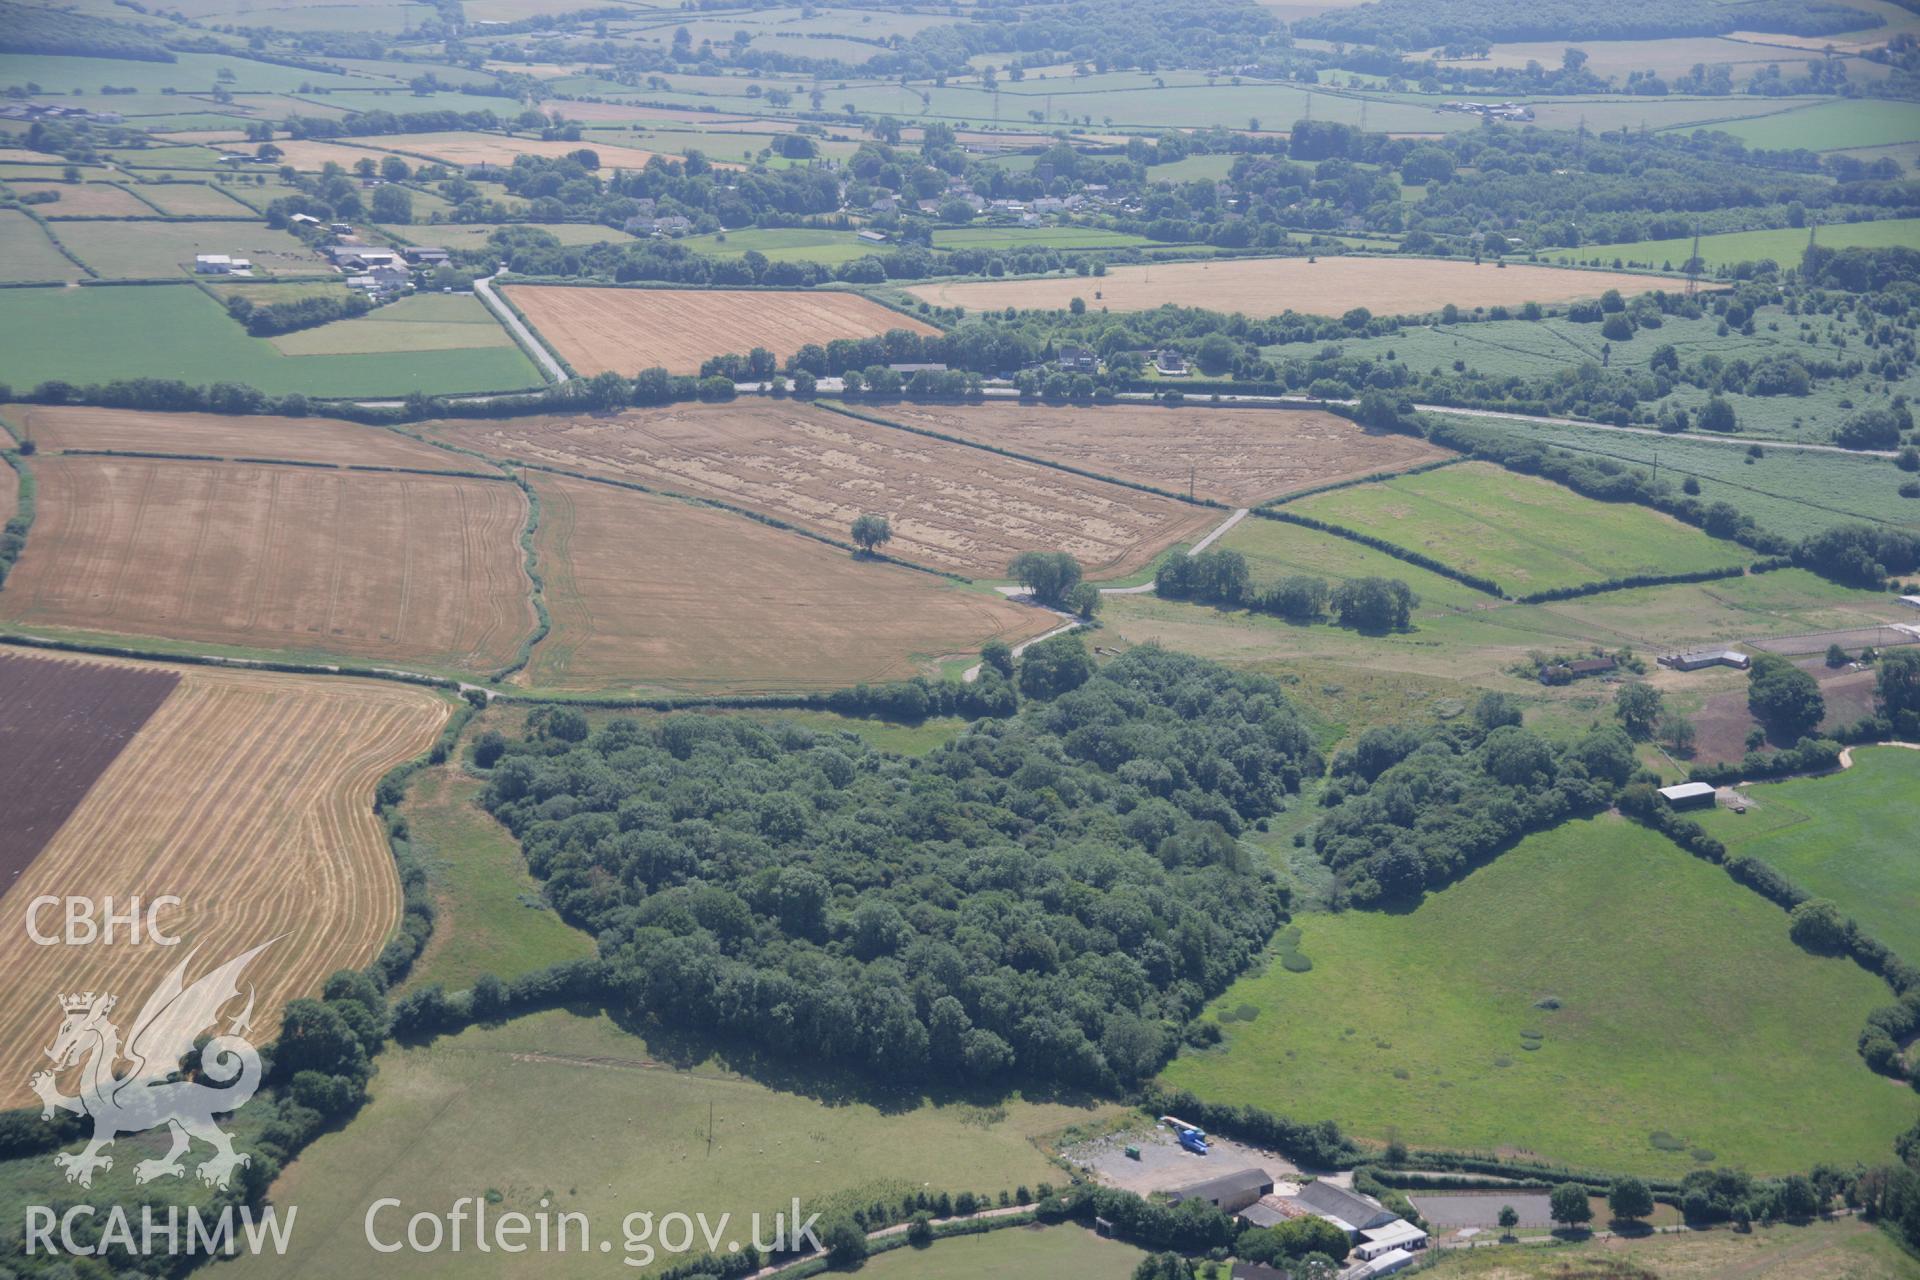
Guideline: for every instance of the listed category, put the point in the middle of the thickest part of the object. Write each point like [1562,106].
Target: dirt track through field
[951,507]
[1271,286]
[249,796]
[627,330]
[357,564]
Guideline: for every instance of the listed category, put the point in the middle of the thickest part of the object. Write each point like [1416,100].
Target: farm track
[529,340]
[249,796]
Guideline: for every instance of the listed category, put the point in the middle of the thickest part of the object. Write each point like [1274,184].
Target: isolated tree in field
[1717,415]
[1897,685]
[1637,707]
[1569,1205]
[1494,710]
[870,531]
[1836,656]
[1084,600]
[1677,732]
[1783,697]
[1630,1198]
[1049,575]
[1374,604]
[1509,1218]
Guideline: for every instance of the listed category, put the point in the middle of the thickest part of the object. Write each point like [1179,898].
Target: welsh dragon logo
[150,1093]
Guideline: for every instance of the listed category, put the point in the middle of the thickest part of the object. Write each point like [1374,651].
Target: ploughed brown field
[358,564]
[1237,456]
[627,330]
[653,594]
[57,427]
[1272,286]
[61,723]
[249,796]
[950,506]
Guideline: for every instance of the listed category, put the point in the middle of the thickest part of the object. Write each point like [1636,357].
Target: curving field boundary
[249,795]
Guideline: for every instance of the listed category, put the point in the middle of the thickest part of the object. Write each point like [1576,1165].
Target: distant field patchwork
[950,506]
[627,330]
[1525,533]
[369,565]
[1271,286]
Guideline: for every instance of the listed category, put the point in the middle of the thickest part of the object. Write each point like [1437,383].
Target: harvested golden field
[495,148]
[249,796]
[1237,456]
[57,427]
[1271,286]
[951,507]
[627,330]
[318,562]
[657,596]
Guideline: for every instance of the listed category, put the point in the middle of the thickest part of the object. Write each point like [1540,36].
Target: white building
[212,264]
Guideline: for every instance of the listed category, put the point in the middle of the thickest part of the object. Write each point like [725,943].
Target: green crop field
[1847,836]
[95,334]
[1525,533]
[492,918]
[26,254]
[575,1110]
[188,73]
[1194,168]
[1783,245]
[1036,238]
[1792,492]
[1014,1253]
[1684,1009]
[1831,126]
[1276,550]
[785,244]
[421,322]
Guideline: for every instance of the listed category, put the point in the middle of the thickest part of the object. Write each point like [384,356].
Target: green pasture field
[1525,533]
[1793,492]
[1837,1249]
[1846,836]
[196,199]
[1068,237]
[421,322]
[188,73]
[1276,550]
[574,1110]
[156,250]
[1783,245]
[1195,168]
[272,292]
[785,244]
[1685,1009]
[95,334]
[27,254]
[178,156]
[1832,126]
[492,917]
[1013,1253]
[1605,115]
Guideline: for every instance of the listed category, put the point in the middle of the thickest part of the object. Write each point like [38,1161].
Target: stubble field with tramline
[951,507]
[1271,286]
[1237,456]
[248,795]
[294,559]
[625,330]
[657,596]
[328,440]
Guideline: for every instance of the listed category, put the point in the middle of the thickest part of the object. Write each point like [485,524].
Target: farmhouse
[1171,364]
[1698,658]
[1229,1192]
[1076,359]
[1689,795]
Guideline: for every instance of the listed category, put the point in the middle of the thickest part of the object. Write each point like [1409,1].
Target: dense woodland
[1048,897]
